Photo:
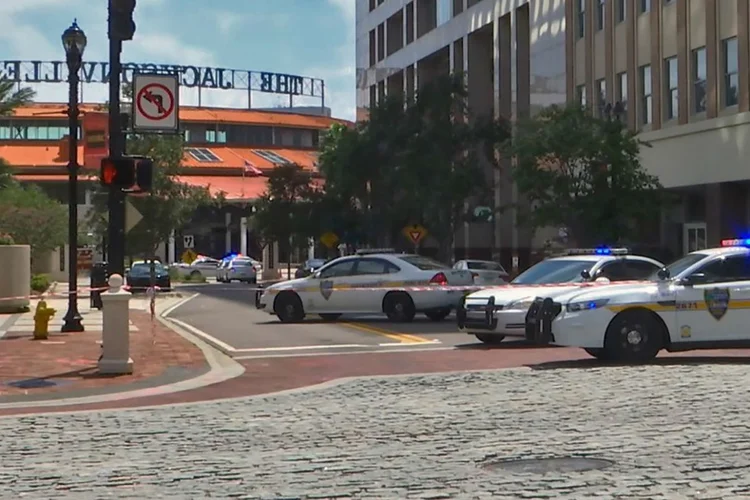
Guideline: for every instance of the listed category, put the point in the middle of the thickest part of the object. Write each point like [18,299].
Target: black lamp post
[74,42]
[614,114]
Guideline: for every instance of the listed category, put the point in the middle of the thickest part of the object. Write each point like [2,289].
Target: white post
[228,232]
[172,258]
[115,358]
[243,235]
[311,248]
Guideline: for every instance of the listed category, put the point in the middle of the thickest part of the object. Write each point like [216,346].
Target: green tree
[12,98]
[33,218]
[284,211]
[584,173]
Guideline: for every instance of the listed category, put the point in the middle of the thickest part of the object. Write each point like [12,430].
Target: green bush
[6,239]
[40,283]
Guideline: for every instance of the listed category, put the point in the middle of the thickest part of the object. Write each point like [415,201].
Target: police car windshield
[553,271]
[680,265]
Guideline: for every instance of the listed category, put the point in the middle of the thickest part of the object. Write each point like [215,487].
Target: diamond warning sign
[415,233]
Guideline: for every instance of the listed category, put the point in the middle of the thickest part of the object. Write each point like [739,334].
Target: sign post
[155,103]
[415,233]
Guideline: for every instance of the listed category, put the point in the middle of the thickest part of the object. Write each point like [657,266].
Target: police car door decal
[326,288]
[717,301]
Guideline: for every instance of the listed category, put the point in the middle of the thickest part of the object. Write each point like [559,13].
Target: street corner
[64,366]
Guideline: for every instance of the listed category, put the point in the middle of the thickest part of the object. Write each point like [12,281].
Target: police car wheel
[438,314]
[399,307]
[490,339]
[288,308]
[634,336]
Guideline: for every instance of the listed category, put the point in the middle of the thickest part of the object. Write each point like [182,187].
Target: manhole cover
[545,465]
[32,383]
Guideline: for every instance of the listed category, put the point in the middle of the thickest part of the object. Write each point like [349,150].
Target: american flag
[251,169]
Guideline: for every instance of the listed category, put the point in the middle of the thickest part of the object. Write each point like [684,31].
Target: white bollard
[115,358]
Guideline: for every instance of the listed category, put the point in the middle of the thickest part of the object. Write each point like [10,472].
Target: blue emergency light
[741,242]
[597,251]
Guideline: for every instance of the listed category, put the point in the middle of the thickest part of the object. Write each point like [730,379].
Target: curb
[221,369]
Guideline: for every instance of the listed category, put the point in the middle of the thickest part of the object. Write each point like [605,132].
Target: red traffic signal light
[117,172]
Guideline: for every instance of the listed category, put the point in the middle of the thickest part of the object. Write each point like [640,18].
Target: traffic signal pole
[116,202]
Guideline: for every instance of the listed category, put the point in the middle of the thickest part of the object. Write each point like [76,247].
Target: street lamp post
[74,42]
[614,114]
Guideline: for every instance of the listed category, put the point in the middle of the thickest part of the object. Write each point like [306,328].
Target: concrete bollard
[115,358]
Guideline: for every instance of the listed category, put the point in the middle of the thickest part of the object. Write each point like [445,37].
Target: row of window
[644,6]
[697,87]
[250,135]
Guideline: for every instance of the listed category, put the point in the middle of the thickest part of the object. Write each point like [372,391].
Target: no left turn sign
[155,103]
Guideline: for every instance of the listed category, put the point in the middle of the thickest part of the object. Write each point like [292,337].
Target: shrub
[40,283]
[6,239]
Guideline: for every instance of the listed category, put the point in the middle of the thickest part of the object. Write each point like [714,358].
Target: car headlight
[520,303]
[586,305]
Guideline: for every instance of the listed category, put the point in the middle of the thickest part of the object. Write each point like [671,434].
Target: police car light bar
[367,251]
[597,251]
[743,242]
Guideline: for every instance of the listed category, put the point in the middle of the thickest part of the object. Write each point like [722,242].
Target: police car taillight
[439,279]
[597,251]
[742,242]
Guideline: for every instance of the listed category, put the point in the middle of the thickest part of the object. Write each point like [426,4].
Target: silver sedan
[242,270]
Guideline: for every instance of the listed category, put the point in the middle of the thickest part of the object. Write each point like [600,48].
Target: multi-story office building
[681,68]
[513,53]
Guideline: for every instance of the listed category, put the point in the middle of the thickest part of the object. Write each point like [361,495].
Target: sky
[301,37]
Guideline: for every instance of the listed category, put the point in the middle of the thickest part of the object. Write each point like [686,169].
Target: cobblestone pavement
[673,432]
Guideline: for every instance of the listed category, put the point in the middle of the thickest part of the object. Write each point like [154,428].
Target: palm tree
[10,99]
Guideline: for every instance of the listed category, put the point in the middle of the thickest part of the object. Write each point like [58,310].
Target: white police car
[701,301]
[399,285]
[495,313]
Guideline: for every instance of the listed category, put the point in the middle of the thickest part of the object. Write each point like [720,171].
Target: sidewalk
[65,365]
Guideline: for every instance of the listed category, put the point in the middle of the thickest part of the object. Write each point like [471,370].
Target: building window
[621,11]
[622,90]
[444,11]
[581,95]
[646,103]
[672,103]
[699,80]
[730,63]
[581,18]
[645,6]
[601,90]
[600,15]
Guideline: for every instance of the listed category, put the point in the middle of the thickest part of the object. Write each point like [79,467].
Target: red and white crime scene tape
[81,291]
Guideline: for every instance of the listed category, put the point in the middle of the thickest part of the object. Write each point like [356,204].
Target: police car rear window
[481,265]
[423,263]
[553,271]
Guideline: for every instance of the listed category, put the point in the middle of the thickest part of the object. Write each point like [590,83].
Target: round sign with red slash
[155,101]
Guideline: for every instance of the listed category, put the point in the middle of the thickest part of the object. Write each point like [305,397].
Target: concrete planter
[16,277]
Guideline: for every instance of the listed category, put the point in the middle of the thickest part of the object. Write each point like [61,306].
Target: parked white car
[495,313]
[484,272]
[202,266]
[398,285]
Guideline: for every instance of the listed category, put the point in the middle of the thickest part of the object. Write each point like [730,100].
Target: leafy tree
[284,211]
[32,218]
[10,98]
[584,173]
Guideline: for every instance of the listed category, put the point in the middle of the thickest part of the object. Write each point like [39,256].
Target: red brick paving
[73,363]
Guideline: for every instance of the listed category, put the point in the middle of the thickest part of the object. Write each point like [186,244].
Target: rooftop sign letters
[189,76]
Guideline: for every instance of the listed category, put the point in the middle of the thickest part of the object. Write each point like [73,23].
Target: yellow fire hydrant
[41,320]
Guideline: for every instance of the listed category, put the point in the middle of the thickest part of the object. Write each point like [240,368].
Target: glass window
[732,268]
[601,97]
[600,15]
[699,79]
[423,263]
[621,12]
[210,135]
[482,265]
[622,90]
[444,11]
[554,271]
[731,78]
[681,265]
[645,6]
[221,136]
[374,266]
[581,94]
[5,130]
[640,269]
[672,102]
[613,271]
[646,101]
[581,19]
[338,269]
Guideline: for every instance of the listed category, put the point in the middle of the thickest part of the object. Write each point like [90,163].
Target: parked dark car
[138,277]
[309,267]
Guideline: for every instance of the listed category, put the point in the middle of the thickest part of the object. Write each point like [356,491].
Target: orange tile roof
[36,155]
[234,188]
[51,178]
[46,111]
[236,158]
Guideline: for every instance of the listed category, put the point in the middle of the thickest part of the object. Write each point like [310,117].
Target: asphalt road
[227,313]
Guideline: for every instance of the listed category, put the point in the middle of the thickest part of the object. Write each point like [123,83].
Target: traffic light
[121,23]
[117,172]
[144,174]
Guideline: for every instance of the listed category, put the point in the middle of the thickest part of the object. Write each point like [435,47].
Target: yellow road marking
[401,337]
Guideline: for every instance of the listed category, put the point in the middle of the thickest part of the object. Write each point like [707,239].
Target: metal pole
[116,202]
[73,317]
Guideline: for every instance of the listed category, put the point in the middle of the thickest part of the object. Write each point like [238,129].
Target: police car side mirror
[585,274]
[663,274]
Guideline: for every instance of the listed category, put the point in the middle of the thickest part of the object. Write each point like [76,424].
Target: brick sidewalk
[67,363]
